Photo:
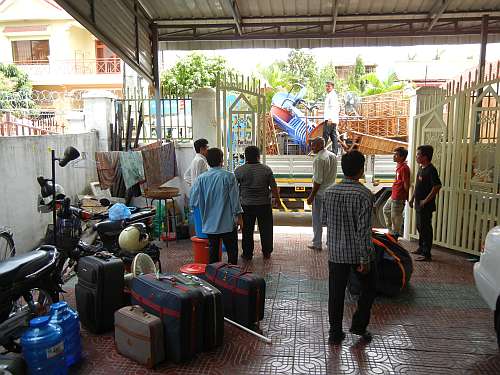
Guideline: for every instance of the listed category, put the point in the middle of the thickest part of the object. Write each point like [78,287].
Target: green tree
[373,85]
[192,72]
[355,81]
[15,88]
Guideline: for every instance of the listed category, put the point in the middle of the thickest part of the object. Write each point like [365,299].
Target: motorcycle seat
[15,268]
[110,228]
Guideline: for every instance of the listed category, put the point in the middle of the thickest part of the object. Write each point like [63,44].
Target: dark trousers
[424,227]
[330,131]
[230,241]
[264,216]
[338,276]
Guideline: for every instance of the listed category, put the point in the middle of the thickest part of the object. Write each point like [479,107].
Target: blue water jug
[68,320]
[43,348]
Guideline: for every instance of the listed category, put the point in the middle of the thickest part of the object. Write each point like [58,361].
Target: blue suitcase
[179,306]
[243,293]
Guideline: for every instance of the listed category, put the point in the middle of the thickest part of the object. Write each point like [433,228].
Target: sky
[384,57]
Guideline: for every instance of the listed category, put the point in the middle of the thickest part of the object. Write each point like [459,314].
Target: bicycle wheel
[7,248]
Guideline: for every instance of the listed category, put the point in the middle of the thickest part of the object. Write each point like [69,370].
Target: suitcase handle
[139,309]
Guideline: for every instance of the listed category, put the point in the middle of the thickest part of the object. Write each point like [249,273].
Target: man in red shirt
[393,209]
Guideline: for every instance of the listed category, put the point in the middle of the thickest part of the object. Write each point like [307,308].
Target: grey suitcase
[139,336]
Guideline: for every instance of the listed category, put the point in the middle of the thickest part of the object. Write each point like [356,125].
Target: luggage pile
[170,316]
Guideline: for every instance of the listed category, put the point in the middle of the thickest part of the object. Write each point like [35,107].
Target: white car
[487,275]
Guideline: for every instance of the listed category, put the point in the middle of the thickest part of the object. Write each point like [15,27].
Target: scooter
[29,284]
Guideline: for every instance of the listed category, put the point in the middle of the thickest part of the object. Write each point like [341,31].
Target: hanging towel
[160,164]
[108,168]
[132,168]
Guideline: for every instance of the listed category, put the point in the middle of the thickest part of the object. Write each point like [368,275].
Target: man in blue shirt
[216,194]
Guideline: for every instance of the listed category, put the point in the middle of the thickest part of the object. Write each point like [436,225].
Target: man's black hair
[199,144]
[426,150]
[252,154]
[401,151]
[352,163]
[214,157]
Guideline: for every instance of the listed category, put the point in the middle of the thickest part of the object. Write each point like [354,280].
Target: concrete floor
[440,325]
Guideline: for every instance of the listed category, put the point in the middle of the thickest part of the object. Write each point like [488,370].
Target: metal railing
[43,124]
[74,66]
[176,118]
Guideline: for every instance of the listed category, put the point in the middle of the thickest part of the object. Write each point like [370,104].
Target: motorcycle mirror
[70,154]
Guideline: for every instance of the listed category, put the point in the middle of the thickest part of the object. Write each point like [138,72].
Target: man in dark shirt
[424,199]
[347,214]
[256,182]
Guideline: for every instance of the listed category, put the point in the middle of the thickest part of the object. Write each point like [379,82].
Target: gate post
[99,112]
[204,115]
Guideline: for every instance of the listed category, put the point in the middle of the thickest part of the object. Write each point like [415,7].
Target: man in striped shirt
[347,214]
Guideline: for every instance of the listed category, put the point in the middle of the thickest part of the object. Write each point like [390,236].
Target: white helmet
[59,194]
[133,238]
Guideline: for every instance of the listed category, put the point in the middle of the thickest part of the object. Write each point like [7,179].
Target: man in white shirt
[331,116]
[324,175]
[199,163]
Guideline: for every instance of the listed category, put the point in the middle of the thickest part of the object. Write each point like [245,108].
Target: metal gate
[464,131]
[241,108]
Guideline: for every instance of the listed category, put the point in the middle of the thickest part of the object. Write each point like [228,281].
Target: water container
[198,223]
[43,348]
[68,320]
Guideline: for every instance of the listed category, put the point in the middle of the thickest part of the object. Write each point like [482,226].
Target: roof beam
[436,15]
[236,15]
[335,15]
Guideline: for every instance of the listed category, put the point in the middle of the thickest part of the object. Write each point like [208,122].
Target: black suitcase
[12,364]
[213,313]
[243,293]
[99,291]
[180,307]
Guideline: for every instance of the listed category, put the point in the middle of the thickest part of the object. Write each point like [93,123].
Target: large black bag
[213,313]
[99,291]
[243,293]
[179,306]
[394,266]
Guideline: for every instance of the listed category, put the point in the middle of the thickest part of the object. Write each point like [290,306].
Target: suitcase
[139,336]
[99,291]
[12,364]
[243,293]
[180,309]
[213,314]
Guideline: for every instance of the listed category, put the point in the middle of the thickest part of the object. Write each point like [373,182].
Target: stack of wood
[118,130]
[373,145]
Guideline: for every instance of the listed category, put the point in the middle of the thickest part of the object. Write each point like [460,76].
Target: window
[30,51]
[106,60]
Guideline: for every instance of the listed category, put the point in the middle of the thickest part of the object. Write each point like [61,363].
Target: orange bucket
[196,269]
[201,251]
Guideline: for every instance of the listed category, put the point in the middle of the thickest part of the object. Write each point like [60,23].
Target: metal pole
[156,76]
[484,42]
[54,218]
[263,338]
[482,64]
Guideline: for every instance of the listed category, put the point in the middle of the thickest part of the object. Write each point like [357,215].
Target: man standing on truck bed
[256,182]
[331,116]
[324,175]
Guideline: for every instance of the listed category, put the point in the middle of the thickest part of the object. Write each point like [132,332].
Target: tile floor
[440,325]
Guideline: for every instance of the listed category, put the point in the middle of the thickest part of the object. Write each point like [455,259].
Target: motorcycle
[69,229]
[29,284]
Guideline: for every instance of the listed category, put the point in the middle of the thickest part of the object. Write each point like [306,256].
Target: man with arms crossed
[347,213]
[324,175]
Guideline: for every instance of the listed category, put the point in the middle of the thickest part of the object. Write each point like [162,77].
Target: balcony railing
[69,67]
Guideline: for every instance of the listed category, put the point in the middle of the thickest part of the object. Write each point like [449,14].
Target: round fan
[142,265]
